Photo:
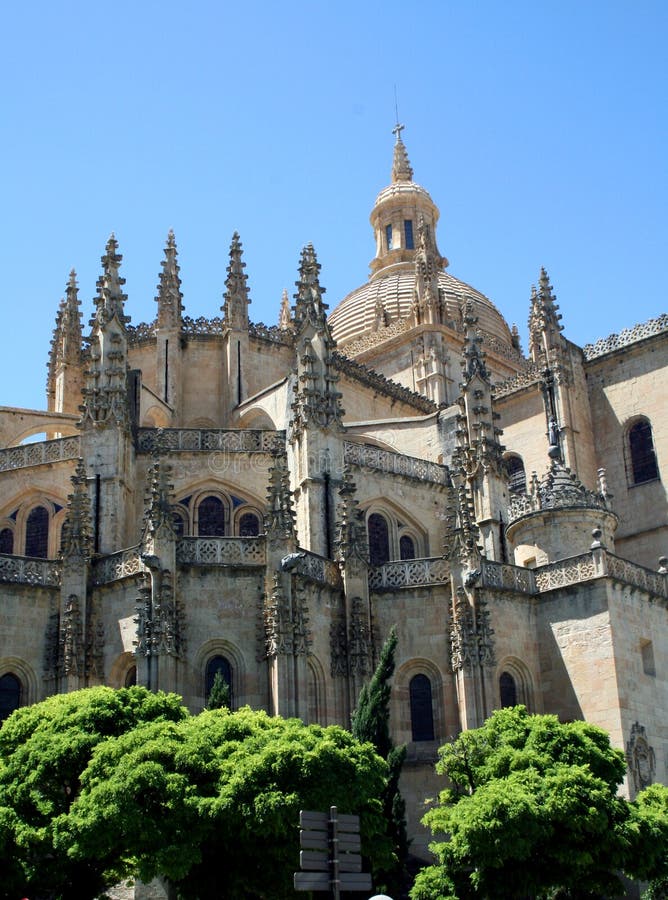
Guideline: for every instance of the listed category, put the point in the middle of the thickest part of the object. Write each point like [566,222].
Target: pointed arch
[514,684]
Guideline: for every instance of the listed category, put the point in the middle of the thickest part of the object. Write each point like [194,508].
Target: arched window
[507,689]
[211,517]
[517,479]
[641,451]
[379,539]
[131,676]
[10,695]
[406,547]
[6,540]
[218,664]
[249,525]
[37,532]
[422,714]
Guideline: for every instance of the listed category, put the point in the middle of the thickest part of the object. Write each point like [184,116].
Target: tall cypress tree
[371,722]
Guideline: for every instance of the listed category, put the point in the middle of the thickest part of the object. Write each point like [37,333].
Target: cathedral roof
[357,314]
[404,219]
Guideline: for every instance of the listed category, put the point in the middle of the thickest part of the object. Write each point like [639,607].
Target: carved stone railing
[370,457]
[501,576]
[567,571]
[221,551]
[638,576]
[39,453]
[117,566]
[318,568]
[409,573]
[186,440]
[27,570]
[626,337]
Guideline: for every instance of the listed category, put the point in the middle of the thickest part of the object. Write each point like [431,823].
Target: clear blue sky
[539,129]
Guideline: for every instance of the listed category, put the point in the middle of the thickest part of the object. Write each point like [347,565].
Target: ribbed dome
[356,315]
[408,269]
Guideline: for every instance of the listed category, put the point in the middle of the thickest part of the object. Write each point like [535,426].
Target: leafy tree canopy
[44,749]
[101,785]
[533,811]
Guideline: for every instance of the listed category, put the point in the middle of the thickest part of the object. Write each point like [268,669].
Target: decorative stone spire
[170,298]
[159,497]
[428,301]
[235,307]
[401,167]
[351,543]
[76,540]
[285,318]
[544,320]
[309,306]
[279,522]
[67,336]
[110,300]
[105,394]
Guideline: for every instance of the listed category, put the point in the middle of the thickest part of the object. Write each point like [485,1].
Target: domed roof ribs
[401,167]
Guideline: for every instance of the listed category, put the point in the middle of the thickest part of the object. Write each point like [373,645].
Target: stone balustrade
[409,573]
[27,570]
[317,568]
[370,457]
[505,577]
[117,566]
[40,453]
[221,551]
[205,440]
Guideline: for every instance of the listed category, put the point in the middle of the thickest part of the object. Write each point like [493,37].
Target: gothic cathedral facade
[214,495]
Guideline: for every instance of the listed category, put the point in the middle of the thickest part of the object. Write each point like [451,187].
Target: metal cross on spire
[397,130]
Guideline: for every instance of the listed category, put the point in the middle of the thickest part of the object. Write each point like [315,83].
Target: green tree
[212,802]
[44,751]
[371,722]
[533,811]
[220,695]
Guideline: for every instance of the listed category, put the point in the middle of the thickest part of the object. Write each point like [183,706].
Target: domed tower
[407,321]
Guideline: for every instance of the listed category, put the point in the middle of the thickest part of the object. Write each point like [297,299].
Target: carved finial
[351,542]
[110,300]
[158,505]
[235,307]
[285,318]
[170,298]
[401,167]
[279,522]
[309,305]
[76,538]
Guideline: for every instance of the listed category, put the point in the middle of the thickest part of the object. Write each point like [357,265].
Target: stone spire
[279,521]
[159,499]
[76,540]
[351,542]
[67,337]
[544,320]
[427,300]
[401,167]
[317,401]
[285,317]
[235,307]
[110,300]
[105,395]
[170,298]
[309,306]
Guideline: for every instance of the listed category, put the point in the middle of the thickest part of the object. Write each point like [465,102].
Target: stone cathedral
[213,495]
